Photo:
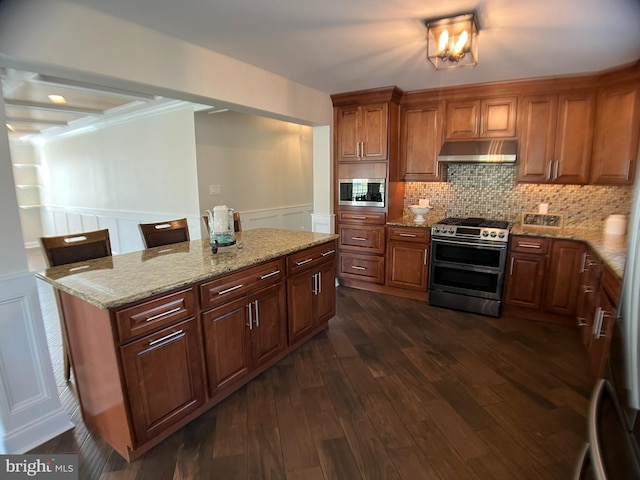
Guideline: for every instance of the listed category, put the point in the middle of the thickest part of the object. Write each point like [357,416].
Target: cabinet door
[268,323]
[574,137]
[227,343]
[463,119]
[374,131]
[601,334]
[498,117]
[407,266]
[325,298]
[421,139]
[163,374]
[347,120]
[537,127]
[300,295]
[525,280]
[615,146]
[563,279]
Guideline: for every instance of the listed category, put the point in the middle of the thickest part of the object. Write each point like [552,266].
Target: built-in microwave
[364,192]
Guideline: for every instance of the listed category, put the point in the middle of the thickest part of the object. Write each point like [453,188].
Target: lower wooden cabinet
[407,259]
[543,276]
[243,334]
[311,299]
[163,374]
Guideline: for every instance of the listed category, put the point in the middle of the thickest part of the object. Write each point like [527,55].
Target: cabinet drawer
[610,284]
[417,235]
[228,287]
[534,245]
[367,268]
[368,218]
[310,257]
[356,237]
[156,313]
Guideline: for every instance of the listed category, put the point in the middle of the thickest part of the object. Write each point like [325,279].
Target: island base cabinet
[244,334]
[163,373]
[226,344]
[311,299]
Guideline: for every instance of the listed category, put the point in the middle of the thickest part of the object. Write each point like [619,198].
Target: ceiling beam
[51,107]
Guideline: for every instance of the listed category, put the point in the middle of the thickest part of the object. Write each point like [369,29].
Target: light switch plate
[214,190]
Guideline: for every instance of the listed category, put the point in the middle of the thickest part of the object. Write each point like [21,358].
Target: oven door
[467,268]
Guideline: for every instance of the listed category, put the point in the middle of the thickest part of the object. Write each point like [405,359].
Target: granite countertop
[122,279]
[611,248]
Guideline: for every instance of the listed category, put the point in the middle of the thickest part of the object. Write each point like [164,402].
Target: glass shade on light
[452,42]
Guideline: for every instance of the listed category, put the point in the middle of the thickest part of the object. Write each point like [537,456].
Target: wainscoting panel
[125,234]
[30,408]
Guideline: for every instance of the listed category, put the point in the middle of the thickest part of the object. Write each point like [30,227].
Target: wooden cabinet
[603,322]
[311,291]
[481,118]
[362,246]
[248,327]
[163,375]
[362,132]
[527,268]
[421,137]
[617,129]
[556,133]
[407,258]
[543,276]
[561,290]
[589,290]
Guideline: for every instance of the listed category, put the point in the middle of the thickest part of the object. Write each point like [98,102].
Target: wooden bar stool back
[72,248]
[164,233]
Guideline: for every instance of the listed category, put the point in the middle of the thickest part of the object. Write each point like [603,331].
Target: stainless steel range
[468,258]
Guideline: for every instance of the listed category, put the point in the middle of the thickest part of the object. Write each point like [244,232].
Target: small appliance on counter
[221,230]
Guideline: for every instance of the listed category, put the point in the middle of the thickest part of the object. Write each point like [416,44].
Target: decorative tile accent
[491,191]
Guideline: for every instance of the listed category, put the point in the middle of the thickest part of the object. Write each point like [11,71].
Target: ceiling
[338,46]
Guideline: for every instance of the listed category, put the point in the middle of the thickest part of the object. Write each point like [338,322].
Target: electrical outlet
[214,190]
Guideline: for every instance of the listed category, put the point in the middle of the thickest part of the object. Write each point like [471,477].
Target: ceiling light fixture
[453,41]
[57,99]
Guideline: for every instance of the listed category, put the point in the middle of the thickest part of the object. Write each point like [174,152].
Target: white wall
[264,168]
[141,170]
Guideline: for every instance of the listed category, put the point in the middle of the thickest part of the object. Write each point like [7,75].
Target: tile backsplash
[491,191]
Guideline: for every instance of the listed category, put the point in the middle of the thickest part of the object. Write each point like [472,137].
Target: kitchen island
[157,337]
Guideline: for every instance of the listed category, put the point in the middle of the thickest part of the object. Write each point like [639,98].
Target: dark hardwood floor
[393,389]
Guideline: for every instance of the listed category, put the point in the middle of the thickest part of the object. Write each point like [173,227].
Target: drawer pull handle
[412,235]
[222,292]
[358,217]
[582,322]
[356,267]
[163,314]
[166,338]
[269,274]
[362,239]
[304,261]
[587,289]
[529,245]
[328,253]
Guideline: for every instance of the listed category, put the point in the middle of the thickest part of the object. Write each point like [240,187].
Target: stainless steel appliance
[364,192]
[468,258]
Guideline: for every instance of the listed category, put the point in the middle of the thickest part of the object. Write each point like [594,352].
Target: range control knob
[485,233]
[501,235]
[493,234]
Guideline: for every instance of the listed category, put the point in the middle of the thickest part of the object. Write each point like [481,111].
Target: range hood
[479,151]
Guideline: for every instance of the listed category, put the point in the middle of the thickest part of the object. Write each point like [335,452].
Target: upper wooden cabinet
[615,146]
[481,118]
[421,131]
[556,133]
[362,132]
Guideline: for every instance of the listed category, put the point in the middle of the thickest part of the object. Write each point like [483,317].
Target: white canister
[615,225]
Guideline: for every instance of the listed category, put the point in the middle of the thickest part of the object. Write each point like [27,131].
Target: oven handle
[470,244]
